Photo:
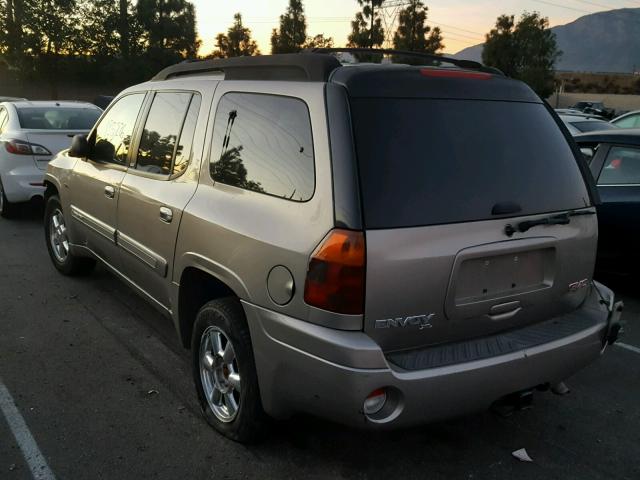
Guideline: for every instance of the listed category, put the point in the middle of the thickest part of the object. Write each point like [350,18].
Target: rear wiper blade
[560,219]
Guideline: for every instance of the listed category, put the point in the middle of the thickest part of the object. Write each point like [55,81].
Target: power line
[562,6]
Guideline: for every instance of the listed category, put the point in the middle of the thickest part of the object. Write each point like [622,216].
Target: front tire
[224,371]
[58,244]
[7,209]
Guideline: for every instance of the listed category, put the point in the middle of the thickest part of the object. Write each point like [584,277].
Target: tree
[413,33]
[527,50]
[319,41]
[169,25]
[11,25]
[237,42]
[292,34]
[366,28]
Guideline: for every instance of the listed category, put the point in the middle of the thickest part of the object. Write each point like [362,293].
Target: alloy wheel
[58,236]
[220,374]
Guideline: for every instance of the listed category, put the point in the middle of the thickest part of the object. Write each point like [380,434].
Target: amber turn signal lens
[336,275]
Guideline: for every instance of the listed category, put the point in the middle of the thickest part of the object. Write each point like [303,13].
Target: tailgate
[437,284]
[441,178]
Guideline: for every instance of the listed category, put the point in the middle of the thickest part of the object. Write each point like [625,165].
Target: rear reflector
[336,274]
[427,72]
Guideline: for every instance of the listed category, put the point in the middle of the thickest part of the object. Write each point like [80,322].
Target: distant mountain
[599,42]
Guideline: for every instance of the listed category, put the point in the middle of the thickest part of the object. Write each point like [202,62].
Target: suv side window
[183,152]
[161,131]
[112,137]
[622,167]
[263,143]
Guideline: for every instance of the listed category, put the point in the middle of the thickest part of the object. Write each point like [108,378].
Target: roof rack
[466,64]
[313,65]
[289,66]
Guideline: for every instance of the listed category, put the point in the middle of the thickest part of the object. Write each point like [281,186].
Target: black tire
[7,209]
[71,265]
[226,315]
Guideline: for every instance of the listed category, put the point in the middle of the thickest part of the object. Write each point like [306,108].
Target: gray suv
[381,245]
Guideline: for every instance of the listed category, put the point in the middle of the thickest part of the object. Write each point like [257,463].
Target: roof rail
[466,64]
[289,66]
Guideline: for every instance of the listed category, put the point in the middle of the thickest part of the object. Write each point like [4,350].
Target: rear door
[94,184]
[617,171]
[155,191]
[444,184]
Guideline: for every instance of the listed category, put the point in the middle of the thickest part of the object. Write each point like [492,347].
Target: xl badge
[420,321]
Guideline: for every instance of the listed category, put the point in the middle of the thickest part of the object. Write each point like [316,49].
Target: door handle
[499,317]
[109,191]
[166,215]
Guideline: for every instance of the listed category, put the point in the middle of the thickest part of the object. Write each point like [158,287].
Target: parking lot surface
[105,391]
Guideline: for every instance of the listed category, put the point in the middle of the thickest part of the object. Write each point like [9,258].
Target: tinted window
[161,130]
[263,143]
[427,161]
[113,135]
[58,118]
[621,167]
[593,126]
[183,152]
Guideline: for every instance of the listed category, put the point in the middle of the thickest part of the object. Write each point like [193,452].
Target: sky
[463,22]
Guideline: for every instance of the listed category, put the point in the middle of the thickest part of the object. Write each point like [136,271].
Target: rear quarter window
[263,143]
[433,161]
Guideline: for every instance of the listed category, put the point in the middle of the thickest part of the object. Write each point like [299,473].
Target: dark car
[595,108]
[614,159]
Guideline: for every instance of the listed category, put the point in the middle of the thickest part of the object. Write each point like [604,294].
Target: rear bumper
[328,373]
[23,181]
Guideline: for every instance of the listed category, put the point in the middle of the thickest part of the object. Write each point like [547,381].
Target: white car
[30,134]
[581,124]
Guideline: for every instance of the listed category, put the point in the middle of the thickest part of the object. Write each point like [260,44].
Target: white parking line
[37,463]
[631,348]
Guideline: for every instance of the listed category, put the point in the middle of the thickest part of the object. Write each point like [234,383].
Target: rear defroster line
[30,451]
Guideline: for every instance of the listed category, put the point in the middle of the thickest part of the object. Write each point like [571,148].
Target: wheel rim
[58,236]
[220,374]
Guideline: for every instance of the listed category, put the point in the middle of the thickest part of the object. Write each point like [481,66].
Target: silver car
[378,245]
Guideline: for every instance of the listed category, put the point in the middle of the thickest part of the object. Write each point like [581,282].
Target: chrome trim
[142,253]
[93,223]
[618,185]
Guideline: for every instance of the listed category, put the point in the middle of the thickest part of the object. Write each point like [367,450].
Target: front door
[95,181]
[155,191]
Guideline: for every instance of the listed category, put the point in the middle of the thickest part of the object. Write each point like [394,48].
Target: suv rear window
[433,161]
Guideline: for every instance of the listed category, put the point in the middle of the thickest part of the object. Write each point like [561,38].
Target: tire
[7,209]
[223,321]
[58,243]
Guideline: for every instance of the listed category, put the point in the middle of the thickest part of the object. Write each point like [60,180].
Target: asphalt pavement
[104,391]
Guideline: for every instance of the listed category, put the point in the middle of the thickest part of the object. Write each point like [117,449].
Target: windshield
[58,118]
[429,162]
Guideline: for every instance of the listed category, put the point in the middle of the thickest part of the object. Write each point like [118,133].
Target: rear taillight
[18,147]
[336,275]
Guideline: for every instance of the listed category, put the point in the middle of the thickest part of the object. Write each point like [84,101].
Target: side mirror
[79,147]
